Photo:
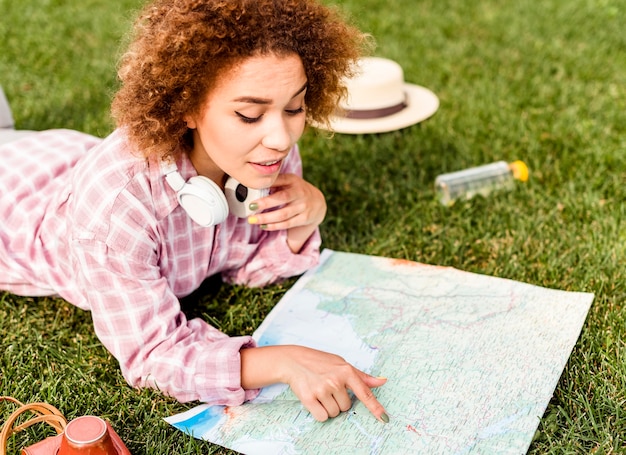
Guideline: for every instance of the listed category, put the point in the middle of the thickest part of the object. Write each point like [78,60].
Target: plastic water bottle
[480,180]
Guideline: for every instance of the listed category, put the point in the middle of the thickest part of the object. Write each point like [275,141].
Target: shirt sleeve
[139,320]
[273,260]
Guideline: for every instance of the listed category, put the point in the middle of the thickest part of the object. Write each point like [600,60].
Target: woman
[125,226]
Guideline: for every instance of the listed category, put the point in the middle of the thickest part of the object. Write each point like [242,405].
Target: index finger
[367,397]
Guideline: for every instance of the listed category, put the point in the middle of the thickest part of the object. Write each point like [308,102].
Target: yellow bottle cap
[520,170]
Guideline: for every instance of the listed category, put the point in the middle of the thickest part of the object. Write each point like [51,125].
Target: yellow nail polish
[381,377]
[253,220]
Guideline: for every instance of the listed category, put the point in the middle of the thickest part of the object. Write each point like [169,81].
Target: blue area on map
[202,422]
[268,339]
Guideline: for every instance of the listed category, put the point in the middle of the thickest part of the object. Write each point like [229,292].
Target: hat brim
[421,104]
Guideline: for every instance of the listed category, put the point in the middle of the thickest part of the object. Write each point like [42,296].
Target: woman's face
[250,121]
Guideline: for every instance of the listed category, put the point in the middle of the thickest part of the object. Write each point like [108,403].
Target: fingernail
[253,220]
[264,226]
[384,417]
[253,206]
[381,377]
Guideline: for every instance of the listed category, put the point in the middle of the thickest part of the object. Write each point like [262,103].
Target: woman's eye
[300,110]
[246,119]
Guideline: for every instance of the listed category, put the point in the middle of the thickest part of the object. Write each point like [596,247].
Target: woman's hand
[299,208]
[320,380]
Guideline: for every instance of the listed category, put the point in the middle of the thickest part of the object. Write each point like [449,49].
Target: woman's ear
[191,123]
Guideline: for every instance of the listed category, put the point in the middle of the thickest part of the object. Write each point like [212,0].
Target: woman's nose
[278,135]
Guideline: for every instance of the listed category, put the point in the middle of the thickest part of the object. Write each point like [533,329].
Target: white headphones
[203,199]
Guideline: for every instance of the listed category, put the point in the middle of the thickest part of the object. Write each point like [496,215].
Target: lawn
[544,82]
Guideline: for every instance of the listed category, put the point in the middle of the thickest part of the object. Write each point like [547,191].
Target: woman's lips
[267,167]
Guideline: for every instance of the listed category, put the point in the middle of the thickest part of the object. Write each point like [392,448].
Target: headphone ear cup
[239,197]
[204,201]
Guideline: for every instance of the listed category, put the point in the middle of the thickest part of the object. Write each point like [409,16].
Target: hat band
[365,114]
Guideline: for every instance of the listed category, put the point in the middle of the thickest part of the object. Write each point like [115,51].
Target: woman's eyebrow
[302,89]
[264,101]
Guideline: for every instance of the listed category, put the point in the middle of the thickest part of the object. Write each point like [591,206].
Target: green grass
[540,81]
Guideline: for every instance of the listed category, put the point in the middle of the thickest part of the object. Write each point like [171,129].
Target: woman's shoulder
[111,163]
[106,176]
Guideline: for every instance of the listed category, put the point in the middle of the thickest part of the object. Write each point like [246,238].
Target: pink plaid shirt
[86,219]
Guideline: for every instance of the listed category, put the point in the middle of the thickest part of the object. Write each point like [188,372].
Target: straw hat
[380,101]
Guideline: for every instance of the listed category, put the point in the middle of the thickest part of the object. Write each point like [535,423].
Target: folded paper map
[471,360]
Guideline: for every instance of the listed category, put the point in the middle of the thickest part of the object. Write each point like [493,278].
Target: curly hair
[181,48]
